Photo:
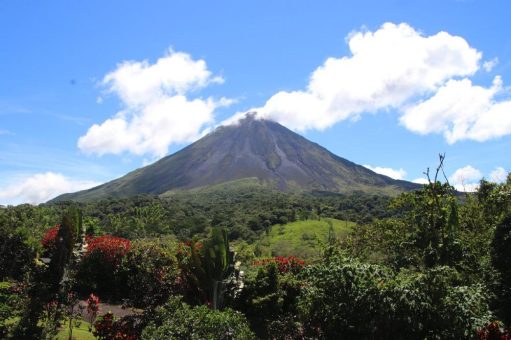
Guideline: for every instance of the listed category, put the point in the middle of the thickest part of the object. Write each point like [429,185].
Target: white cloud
[5,132]
[138,83]
[158,108]
[461,110]
[40,188]
[499,175]
[466,179]
[490,64]
[425,78]
[387,68]
[421,180]
[392,173]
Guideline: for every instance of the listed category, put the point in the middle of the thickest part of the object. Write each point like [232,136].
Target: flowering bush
[99,266]
[111,248]
[49,321]
[92,309]
[148,272]
[494,331]
[184,250]
[50,237]
[92,304]
[107,328]
[285,265]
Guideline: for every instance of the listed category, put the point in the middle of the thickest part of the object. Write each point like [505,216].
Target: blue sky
[92,90]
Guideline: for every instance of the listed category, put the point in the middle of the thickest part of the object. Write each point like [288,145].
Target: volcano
[254,149]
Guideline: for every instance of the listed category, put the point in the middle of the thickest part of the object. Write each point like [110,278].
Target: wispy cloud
[78,120]
[35,159]
[41,187]
[6,132]
[7,108]
[490,64]
[15,109]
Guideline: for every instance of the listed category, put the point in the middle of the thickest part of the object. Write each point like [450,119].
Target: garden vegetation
[429,264]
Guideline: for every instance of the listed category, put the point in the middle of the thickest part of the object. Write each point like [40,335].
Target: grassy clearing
[79,333]
[302,238]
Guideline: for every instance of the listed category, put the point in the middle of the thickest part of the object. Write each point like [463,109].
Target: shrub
[11,303]
[148,273]
[98,268]
[494,331]
[49,239]
[108,328]
[110,248]
[348,299]
[92,309]
[341,299]
[16,257]
[177,320]
[285,265]
[268,296]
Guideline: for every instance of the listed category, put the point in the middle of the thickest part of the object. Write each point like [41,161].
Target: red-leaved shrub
[107,328]
[285,265]
[109,247]
[50,237]
[494,331]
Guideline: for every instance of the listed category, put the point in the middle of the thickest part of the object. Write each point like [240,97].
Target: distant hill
[303,239]
[260,151]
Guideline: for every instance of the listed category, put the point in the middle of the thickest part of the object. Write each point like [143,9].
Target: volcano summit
[257,149]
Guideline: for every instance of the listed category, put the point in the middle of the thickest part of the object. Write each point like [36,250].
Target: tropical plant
[269,300]
[177,320]
[210,266]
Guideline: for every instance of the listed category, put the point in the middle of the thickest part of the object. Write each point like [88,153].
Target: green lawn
[302,238]
[80,333]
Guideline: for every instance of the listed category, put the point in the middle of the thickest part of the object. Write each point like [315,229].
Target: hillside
[302,239]
[261,150]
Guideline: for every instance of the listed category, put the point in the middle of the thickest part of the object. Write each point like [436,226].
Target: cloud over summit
[426,79]
[387,69]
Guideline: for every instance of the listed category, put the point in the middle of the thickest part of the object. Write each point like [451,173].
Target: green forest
[249,262]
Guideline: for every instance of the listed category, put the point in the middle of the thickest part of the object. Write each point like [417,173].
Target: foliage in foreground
[177,320]
[345,298]
[438,268]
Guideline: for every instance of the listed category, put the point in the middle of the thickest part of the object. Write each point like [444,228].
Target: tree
[341,299]
[54,281]
[269,297]
[214,265]
[501,260]
[16,257]
[347,299]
